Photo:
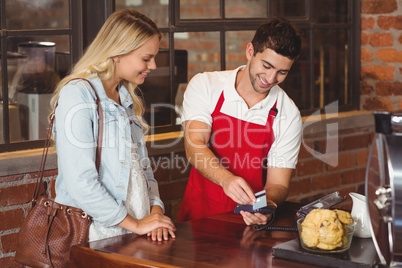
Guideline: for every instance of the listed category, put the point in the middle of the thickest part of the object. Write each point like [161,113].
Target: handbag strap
[49,135]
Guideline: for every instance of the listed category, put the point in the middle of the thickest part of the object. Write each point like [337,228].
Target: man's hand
[238,190]
[255,218]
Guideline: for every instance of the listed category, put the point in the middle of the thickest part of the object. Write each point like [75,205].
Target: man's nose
[272,77]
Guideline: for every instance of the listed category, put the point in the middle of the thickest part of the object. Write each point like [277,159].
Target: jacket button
[139,144]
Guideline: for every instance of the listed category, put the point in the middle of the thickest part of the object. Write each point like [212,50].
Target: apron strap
[270,121]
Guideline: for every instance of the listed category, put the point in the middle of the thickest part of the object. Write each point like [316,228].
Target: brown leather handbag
[50,228]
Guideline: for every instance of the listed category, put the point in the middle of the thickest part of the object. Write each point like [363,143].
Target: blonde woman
[124,197]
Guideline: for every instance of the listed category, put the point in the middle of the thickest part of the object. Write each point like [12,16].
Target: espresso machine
[384,188]
[32,87]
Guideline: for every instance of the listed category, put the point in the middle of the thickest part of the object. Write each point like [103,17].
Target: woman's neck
[111,90]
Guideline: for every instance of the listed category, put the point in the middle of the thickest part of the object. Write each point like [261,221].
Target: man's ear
[249,51]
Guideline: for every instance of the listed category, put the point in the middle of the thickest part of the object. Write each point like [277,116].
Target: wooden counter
[219,241]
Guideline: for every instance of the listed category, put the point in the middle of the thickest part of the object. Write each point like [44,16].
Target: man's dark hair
[279,35]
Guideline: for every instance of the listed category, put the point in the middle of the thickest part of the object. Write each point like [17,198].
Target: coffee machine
[384,188]
[32,87]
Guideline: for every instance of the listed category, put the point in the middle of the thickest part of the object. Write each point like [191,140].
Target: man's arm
[196,138]
[277,185]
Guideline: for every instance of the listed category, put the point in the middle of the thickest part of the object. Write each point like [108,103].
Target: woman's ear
[116,59]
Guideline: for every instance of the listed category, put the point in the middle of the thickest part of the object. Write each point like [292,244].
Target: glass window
[203,50]
[245,9]
[297,83]
[157,10]
[236,44]
[207,35]
[199,9]
[202,54]
[330,66]
[1,104]
[33,61]
[33,76]
[156,90]
[37,14]
[289,8]
[1,81]
[330,11]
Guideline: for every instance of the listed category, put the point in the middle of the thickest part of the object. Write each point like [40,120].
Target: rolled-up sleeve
[197,103]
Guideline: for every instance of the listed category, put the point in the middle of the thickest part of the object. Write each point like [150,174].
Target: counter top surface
[222,240]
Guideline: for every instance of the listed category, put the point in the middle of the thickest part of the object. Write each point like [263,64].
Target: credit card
[260,206]
[261,200]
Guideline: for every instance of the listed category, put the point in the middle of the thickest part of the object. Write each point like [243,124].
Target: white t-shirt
[137,202]
[204,90]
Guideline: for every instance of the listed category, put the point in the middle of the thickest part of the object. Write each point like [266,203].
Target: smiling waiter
[242,132]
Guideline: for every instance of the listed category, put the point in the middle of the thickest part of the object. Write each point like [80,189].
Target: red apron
[242,148]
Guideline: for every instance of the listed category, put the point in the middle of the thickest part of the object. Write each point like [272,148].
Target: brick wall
[321,171]
[381,55]
[15,195]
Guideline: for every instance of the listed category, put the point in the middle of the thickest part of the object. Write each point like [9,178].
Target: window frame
[238,24]
[84,26]
[74,31]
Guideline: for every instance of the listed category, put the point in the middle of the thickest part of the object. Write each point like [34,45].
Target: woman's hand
[154,223]
[161,234]
[157,226]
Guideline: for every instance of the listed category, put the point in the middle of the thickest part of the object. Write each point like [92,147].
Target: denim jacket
[75,131]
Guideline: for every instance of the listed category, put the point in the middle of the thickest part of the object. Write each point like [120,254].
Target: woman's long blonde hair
[124,31]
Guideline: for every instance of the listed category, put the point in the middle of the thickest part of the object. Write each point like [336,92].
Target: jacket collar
[125,97]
